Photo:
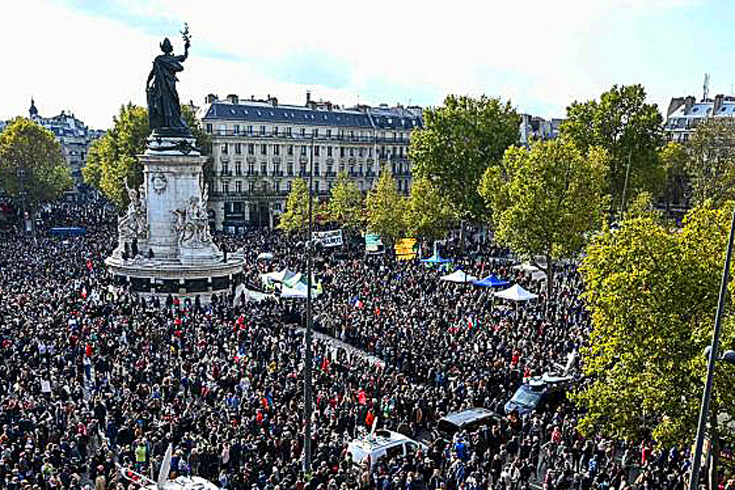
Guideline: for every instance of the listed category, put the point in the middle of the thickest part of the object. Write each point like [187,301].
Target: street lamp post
[308,334]
[711,358]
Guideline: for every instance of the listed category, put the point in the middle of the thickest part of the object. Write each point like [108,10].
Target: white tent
[265,256]
[459,276]
[299,290]
[516,293]
[538,276]
[525,267]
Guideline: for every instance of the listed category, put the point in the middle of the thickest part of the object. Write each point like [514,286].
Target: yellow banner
[406,249]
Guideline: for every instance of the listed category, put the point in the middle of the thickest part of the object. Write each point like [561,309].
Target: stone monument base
[160,278]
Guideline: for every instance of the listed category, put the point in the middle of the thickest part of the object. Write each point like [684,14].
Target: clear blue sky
[91,56]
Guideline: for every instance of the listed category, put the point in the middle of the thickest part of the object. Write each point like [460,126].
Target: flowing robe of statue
[164,109]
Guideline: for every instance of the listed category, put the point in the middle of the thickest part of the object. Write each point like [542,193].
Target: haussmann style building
[259,147]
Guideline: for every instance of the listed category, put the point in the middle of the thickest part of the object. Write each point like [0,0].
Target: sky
[89,57]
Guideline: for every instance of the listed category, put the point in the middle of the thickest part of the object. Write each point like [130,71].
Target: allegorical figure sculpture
[134,224]
[192,223]
[164,109]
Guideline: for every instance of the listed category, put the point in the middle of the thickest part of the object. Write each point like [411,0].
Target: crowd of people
[96,378]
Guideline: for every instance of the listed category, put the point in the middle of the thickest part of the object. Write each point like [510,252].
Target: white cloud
[69,59]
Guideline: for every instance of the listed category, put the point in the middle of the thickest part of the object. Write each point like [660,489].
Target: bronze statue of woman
[164,109]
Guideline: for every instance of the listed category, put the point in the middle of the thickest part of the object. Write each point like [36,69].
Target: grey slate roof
[392,118]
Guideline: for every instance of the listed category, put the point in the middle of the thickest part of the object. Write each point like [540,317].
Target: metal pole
[625,185]
[307,336]
[707,395]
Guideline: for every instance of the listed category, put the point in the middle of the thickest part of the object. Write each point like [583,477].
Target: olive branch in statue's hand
[187,37]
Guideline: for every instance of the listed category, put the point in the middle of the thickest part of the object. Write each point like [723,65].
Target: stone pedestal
[176,253]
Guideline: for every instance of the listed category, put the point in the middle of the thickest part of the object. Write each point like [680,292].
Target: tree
[546,200]
[113,159]
[458,142]
[428,212]
[674,158]
[710,165]
[652,292]
[32,166]
[345,204]
[630,130]
[296,216]
[385,209]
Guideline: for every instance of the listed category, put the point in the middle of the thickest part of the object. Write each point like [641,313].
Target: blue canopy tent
[435,259]
[491,281]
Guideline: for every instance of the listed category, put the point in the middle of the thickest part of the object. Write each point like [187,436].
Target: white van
[383,443]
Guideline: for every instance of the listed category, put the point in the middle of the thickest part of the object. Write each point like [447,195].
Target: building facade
[73,135]
[685,113]
[534,128]
[259,147]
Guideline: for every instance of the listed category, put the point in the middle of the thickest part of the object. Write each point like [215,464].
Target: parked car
[382,444]
[538,394]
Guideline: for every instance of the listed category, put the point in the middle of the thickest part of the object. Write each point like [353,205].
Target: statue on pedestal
[192,223]
[164,108]
[134,224]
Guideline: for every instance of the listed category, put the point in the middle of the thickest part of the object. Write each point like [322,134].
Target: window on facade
[329,151]
[251,149]
[251,168]
[352,135]
[263,169]
[316,186]
[315,132]
[316,151]
[329,133]
[303,151]
[316,168]
[209,128]
[225,168]
[277,186]
[370,153]
[290,149]
[251,186]
[276,168]
[250,130]
[262,130]
[238,168]
[226,187]
[275,130]
[352,152]
[288,132]
[263,149]
[238,187]
[224,148]
[341,151]
[303,132]
[288,185]
[276,149]
[238,148]
[289,169]
[236,129]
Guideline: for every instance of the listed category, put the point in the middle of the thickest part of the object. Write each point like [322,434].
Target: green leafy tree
[710,165]
[385,208]
[546,200]
[32,167]
[428,214]
[113,159]
[296,216]
[345,204]
[630,130]
[674,159]
[652,292]
[458,142]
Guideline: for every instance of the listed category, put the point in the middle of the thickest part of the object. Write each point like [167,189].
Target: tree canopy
[652,292]
[113,159]
[32,166]
[296,216]
[630,130]
[345,204]
[385,208]
[458,142]
[428,214]
[546,200]
[710,162]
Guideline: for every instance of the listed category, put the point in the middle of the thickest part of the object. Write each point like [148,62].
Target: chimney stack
[719,98]
[234,99]
[688,103]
